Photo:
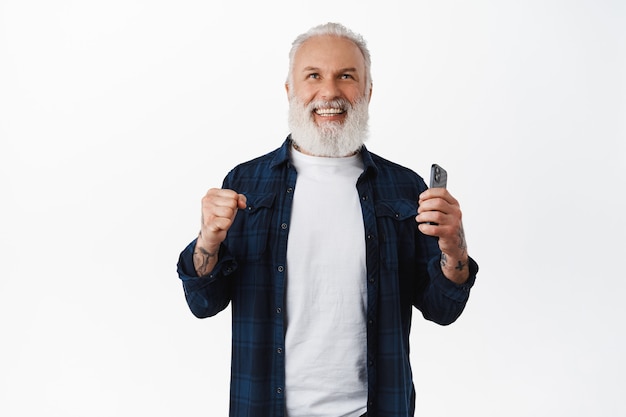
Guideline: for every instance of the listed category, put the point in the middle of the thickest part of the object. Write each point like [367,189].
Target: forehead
[329,52]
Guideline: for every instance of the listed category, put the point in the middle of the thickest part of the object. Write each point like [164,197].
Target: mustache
[338,103]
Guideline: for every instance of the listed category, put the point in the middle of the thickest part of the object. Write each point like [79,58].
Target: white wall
[116,116]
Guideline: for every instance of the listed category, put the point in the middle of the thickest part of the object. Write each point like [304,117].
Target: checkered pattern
[402,272]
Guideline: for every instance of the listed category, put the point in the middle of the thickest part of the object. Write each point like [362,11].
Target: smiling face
[328,68]
[329,96]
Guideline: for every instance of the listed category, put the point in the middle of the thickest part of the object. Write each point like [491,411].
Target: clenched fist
[219,208]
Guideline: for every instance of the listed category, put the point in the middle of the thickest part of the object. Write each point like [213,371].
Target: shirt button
[283,226]
[281,268]
[279,351]
[364,197]
[289,190]
[279,390]
[279,310]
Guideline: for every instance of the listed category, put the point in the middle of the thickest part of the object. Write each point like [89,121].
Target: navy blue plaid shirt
[402,271]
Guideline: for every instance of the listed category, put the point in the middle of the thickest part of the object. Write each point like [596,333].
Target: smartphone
[438,177]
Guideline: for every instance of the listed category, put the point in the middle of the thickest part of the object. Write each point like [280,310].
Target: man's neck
[303,151]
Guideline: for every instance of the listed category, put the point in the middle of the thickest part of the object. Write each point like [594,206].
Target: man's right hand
[219,208]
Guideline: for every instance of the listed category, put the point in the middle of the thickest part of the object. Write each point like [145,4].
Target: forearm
[205,255]
[443,300]
[454,260]
[208,295]
[204,258]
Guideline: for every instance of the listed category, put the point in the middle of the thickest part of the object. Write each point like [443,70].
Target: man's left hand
[439,214]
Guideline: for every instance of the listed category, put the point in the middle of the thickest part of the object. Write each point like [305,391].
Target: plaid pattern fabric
[402,272]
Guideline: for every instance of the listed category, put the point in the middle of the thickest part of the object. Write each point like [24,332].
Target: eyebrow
[343,70]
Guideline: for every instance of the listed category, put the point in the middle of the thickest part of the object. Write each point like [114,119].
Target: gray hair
[333,29]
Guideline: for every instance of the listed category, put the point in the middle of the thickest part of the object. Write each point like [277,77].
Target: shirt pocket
[399,210]
[397,230]
[249,234]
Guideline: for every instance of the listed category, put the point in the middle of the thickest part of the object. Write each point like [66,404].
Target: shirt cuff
[458,292]
[187,271]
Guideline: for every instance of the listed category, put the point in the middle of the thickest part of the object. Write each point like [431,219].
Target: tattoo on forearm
[444,262]
[202,260]
[462,242]
[459,266]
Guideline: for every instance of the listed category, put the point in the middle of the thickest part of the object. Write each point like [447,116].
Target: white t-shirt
[326,292]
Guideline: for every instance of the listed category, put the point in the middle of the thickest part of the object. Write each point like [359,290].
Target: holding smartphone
[438,177]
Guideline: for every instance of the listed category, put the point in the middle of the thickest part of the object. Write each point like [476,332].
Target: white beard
[329,139]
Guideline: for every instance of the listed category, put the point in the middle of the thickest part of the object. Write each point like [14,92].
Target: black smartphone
[438,177]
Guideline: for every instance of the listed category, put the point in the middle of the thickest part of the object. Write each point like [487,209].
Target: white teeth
[328,112]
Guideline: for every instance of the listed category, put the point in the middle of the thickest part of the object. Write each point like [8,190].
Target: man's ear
[287,89]
[370,95]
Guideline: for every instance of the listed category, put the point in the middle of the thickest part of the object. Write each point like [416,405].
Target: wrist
[204,257]
[455,268]
[206,247]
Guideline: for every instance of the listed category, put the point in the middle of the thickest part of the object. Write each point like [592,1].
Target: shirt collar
[282,157]
[282,154]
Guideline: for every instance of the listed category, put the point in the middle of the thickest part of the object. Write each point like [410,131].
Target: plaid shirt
[402,271]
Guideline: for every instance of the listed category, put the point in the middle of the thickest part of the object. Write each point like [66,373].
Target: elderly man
[322,249]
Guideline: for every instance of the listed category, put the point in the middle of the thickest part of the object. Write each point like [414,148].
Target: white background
[116,117]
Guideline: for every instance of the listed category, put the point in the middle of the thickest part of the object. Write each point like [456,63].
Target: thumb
[241,201]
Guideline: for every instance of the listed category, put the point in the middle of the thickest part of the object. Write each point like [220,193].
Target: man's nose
[330,89]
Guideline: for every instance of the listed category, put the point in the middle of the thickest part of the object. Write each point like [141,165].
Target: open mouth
[328,112]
